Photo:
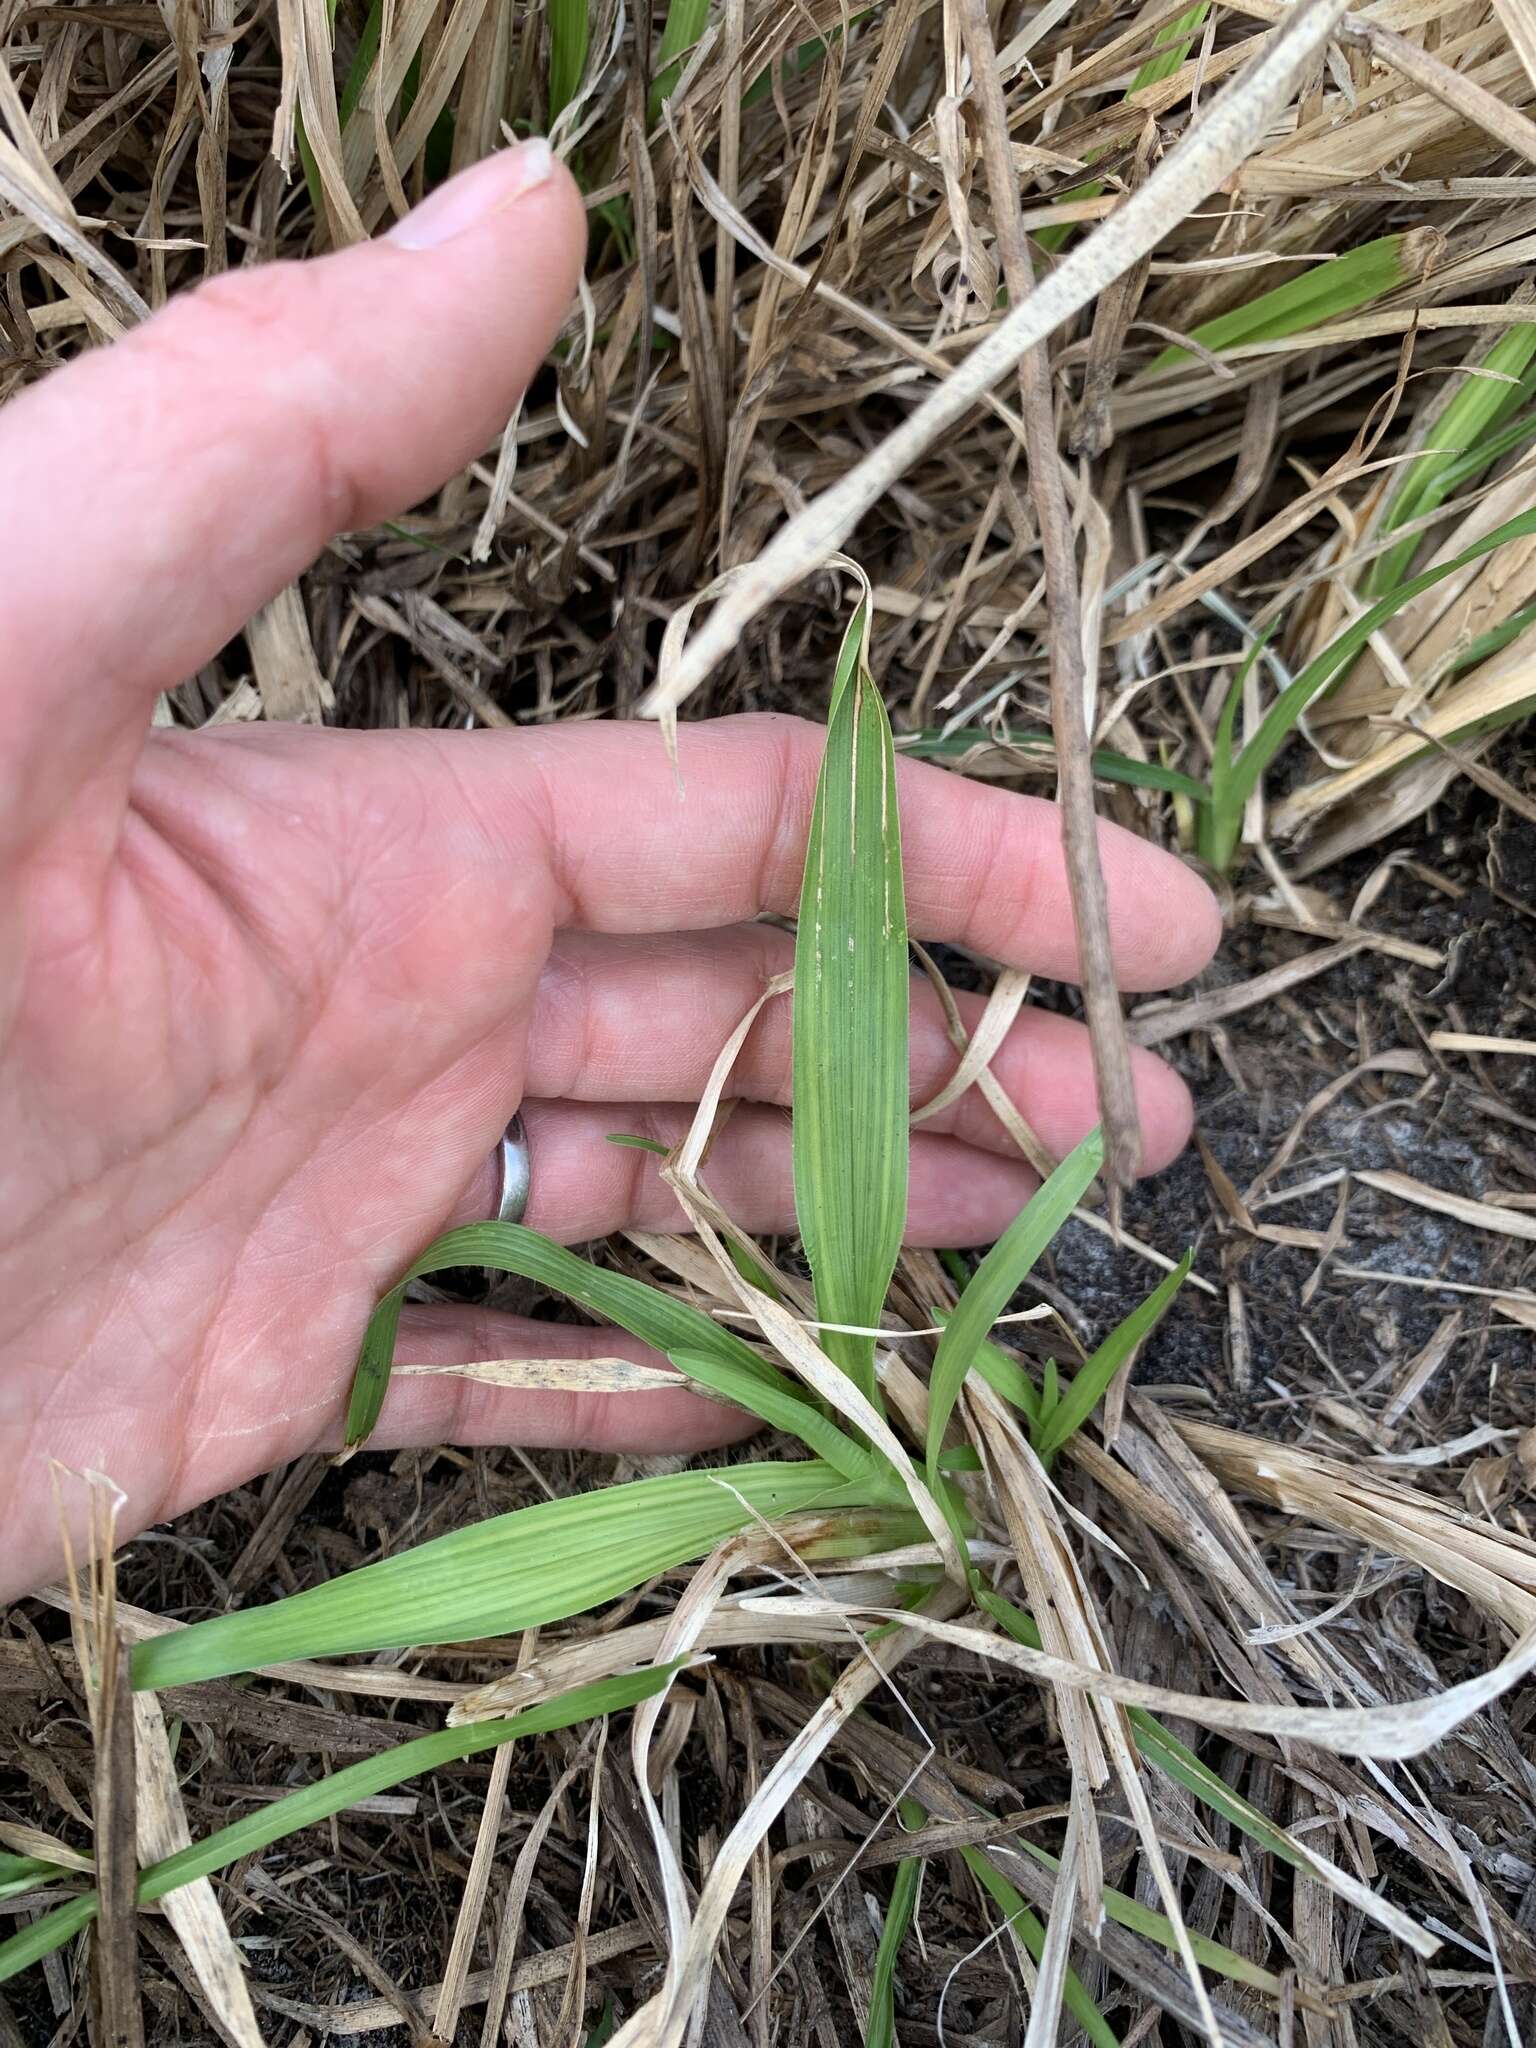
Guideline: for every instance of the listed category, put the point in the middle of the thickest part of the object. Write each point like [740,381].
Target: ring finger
[644,1019]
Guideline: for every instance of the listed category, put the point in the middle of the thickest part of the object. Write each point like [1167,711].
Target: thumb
[157,492]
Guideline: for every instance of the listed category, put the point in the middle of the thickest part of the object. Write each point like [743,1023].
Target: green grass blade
[782,1408]
[1094,1376]
[20,1874]
[1173,43]
[1136,1918]
[1328,666]
[1474,413]
[1221,821]
[332,1794]
[881,2031]
[933,743]
[1030,1928]
[657,1319]
[568,30]
[1004,1375]
[683,27]
[515,1571]
[1324,291]
[995,1281]
[1494,641]
[362,62]
[852,992]
[1165,1752]
[1513,433]
[605,2026]
[1171,1757]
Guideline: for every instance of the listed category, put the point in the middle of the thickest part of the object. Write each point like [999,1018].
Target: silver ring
[511,1157]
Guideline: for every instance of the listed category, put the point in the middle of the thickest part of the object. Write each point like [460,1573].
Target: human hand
[268,995]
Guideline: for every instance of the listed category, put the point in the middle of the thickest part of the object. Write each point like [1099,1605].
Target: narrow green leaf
[1093,1378]
[852,991]
[999,1368]
[1152,1926]
[568,31]
[933,743]
[332,1794]
[1474,412]
[1050,1392]
[1221,822]
[1030,1929]
[997,1279]
[683,27]
[782,1407]
[20,1874]
[1004,1375]
[1172,46]
[606,2025]
[639,1144]
[656,1318]
[881,2031]
[1514,433]
[1171,1757]
[538,1564]
[1327,667]
[1324,291]
[1164,1751]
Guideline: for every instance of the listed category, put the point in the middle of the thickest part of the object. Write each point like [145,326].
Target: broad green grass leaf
[538,1564]
[1030,1928]
[568,30]
[933,743]
[656,1318]
[682,29]
[1474,413]
[996,1280]
[332,1794]
[852,992]
[1324,291]
[881,2031]
[1094,1376]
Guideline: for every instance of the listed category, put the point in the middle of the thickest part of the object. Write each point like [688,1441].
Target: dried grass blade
[192,1909]
[1215,146]
[332,1794]
[656,1318]
[1404,1730]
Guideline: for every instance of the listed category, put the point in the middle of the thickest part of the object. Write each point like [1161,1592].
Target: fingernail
[475,196]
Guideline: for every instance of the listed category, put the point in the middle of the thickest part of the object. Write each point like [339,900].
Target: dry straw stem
[1073,696]
[1407,1730]
[1216,145]
[1481,1215]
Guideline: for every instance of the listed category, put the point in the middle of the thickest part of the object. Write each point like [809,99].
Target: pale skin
[268,996]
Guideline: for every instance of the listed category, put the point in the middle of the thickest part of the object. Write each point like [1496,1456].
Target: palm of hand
[273,994]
